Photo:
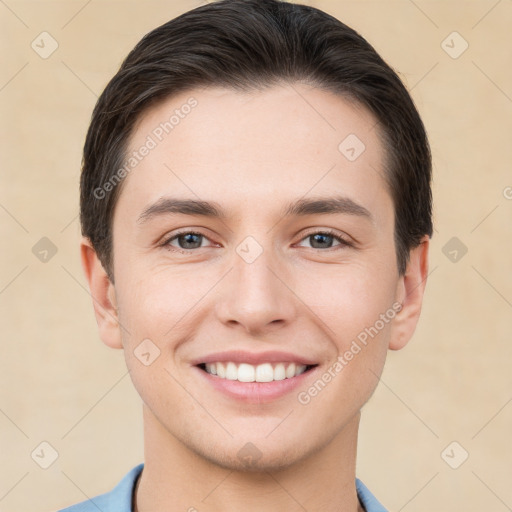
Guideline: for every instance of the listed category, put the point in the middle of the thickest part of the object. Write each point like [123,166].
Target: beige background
[453,382]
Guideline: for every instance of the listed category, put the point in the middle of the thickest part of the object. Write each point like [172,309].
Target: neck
[175,478]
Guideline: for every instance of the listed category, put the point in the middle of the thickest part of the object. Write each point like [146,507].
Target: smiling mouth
[265,372]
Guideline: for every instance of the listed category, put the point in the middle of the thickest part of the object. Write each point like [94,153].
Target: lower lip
[256,392]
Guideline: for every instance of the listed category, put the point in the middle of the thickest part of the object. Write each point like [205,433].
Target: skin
[253,153]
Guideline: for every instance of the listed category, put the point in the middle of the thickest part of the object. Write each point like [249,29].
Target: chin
[251,459]
[252,455]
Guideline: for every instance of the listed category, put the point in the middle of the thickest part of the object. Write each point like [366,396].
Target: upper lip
[254,358]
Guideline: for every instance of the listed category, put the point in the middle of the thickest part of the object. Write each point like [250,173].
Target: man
[256,212]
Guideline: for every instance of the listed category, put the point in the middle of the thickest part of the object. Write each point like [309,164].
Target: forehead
[250,149]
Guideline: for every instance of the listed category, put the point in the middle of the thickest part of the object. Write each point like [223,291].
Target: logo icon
[454,250]
[249,454]
[454,455]
[147,352]
[44,455]
[249,249]
[44,45]
[454,45]
[44,250]
[351,147]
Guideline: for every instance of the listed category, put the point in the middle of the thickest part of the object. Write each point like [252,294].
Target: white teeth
[300,368]
[290,371]
[280,372]
[231,371]
[221,370]
[264,372]
[246,373]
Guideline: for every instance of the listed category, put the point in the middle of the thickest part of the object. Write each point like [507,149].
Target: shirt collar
[119,499]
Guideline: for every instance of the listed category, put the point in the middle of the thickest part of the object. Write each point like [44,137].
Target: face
[255,270]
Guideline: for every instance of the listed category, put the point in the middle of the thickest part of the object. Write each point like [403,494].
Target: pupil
[322,238]
[318,238]
[189,239]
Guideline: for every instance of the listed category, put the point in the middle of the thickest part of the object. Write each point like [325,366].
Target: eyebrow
[301,207]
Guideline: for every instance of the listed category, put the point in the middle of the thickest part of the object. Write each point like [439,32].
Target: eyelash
[343,242]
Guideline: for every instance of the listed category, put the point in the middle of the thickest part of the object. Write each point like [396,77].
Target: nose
[257,296]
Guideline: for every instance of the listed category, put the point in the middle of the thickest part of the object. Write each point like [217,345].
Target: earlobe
[410,291]
[103,295]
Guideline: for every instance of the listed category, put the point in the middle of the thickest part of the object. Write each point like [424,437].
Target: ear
[410,294]
[103,295]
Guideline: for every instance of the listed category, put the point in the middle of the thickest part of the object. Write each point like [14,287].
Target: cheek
[150,312]
[349,299]
[152,305]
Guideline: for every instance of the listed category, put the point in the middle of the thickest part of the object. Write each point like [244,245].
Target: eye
[323,239]
[186,240]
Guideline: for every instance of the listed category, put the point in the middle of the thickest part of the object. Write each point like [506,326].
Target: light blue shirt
[119,499]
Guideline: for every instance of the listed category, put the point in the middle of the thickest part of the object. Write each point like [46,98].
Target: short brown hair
[246,45]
